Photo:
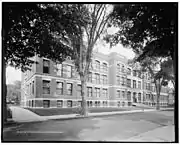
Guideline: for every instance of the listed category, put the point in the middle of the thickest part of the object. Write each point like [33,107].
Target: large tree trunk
[157,105]
[158,90]
[83,93]
[4,105]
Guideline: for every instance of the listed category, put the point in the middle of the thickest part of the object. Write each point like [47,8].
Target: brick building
[111,82]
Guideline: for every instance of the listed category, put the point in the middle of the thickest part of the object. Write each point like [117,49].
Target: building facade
[111,83]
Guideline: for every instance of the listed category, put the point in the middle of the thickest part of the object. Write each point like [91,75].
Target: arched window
[104,67]
[129,71]
[97,64]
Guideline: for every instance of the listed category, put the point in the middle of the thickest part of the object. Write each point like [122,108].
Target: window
[148,86]
[69,89]
[134,73]
[33,87]
[118,67]
[148,96]
[139,97]
[118,103]
[90,77]
[26,89]
[149,76]
[69,71]
[152,97]
[69,103]
[30,88]
[129,83]
[118,95]
[151,88]
[139,84]
[59,88]
[104,67]
[129,71]
[89,91]
[59,69]
[134,97]
[145,85]
[118,80]
[123,94]
[46,66]
[46,103]
[97,64]
[96,103]
[79,90]
[134,84]
[105,103]
[123,81]
[97,78]
[59,103]
[46,87]
[97,92]
[89,103]
[122,69]
[129,96]
[104,79]
[32,103]
[104,93]
[139,74]
[79,103]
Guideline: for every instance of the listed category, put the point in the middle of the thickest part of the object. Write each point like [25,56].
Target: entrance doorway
[134,98]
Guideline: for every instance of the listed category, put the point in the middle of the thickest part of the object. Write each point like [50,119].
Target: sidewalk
[23,115]
[162,134]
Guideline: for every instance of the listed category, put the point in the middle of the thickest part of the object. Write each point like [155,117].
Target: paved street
[124,127]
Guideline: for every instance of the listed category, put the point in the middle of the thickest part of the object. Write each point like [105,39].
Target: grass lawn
[64,111]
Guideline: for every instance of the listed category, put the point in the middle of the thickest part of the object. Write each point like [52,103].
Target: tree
[149,27]
[167,68]
[158,76]
[36,29]
[83,43]
[14,92]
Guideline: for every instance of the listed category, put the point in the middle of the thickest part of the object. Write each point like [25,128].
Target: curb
[100,114]
[167,109]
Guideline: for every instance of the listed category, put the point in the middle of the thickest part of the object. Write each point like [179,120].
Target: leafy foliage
[83,43]
[37,29]
[167,69]
[14,92]
[148,28]
[158,74]
[31,28]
